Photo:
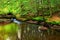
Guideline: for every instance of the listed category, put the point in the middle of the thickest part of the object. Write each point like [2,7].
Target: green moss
[54,23]
[39,18]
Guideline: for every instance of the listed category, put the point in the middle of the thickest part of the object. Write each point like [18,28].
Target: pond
[27,31]
[31,32]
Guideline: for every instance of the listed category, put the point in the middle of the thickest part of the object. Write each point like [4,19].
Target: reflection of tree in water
[31,32]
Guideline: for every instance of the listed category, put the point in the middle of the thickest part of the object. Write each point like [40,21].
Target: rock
[30,21]
[42,28]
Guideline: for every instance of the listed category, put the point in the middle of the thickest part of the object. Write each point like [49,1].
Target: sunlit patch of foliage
[39,18]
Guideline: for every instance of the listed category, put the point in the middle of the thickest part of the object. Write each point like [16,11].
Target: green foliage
[7,6]
[15,6]
[23,7]
[39,18]
[28,6]
[54,22]
[47,13]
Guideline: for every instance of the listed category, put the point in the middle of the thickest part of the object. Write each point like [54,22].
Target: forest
[38,10]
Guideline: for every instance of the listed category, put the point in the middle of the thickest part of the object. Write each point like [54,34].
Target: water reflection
[27,31]
[33,32]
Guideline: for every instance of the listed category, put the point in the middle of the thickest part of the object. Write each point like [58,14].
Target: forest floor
[54,18]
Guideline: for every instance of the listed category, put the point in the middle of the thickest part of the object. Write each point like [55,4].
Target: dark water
[31,32]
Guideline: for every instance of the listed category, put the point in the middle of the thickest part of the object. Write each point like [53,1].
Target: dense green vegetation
[26,8]
[7,6]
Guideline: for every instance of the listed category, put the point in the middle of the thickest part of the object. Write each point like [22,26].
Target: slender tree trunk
[49,5]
